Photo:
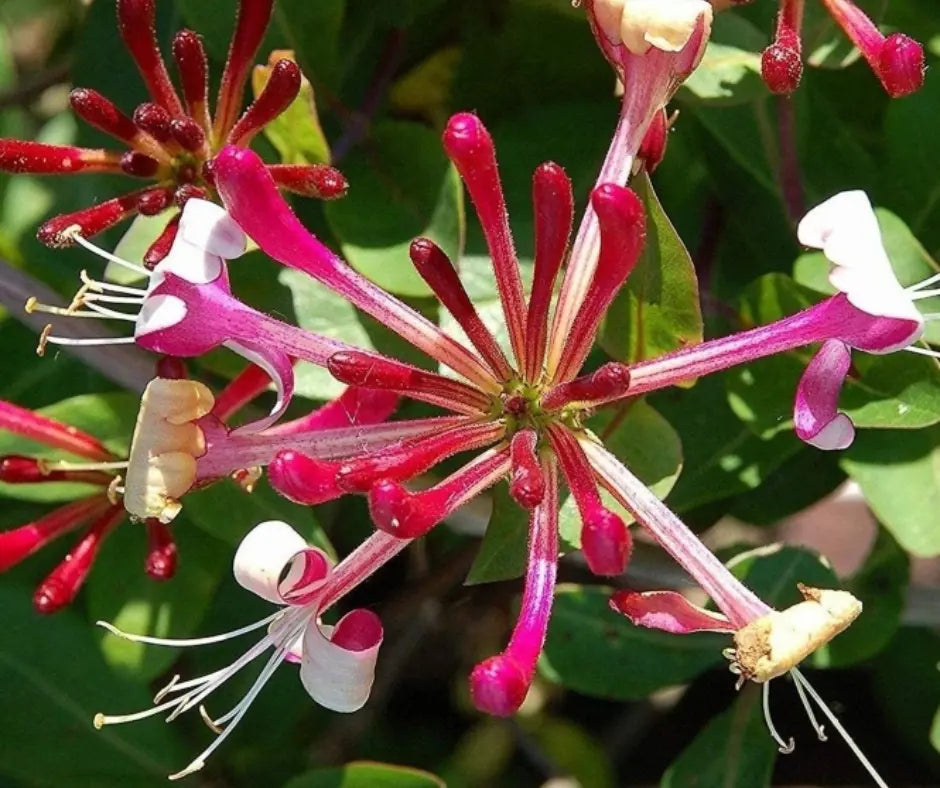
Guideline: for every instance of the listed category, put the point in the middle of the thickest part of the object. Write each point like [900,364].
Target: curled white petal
[159,312]
[190,262]
[846,229]
[339,675]
[838,434]
[207,226]
[264,554]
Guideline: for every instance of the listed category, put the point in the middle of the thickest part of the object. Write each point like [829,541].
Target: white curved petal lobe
[338,663]
[262,557]
[159,312]
[207,226]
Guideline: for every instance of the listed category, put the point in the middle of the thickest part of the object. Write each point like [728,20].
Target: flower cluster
[172,138]
[517,413]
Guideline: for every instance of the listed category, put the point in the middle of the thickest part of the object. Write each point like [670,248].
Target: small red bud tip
[90,221]
[161,551]
[188,191]
[399,512]
[191,61]
[901,65]
[171,368]
[466,138]
[15,469]
[606,543]
[526,481]
[187,133]
[610,380]
[781,68]
[52,596]
[153,201]
[139,165]
[153,119]
[303,479]
[280,90]
[653,148]
[161,247]
[315,180]
[137,25]
[38,158]
[98,111]
[498,686]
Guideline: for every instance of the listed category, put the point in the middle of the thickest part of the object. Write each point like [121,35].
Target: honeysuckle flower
[767,643]
[98,511]
[172,138]
[897,59]
[872,312]
[337,662]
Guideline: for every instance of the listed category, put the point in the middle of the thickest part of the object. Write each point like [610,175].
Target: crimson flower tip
[606,543]
[781,68]
[901,65]
[302,479]
[498,686]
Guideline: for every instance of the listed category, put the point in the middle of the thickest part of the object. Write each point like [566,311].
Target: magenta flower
[171,139]
[897,60]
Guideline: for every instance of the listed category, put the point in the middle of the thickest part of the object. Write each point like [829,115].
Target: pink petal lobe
[816,408]
[668,611]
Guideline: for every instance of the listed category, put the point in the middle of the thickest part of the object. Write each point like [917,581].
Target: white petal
[340,677]
[263,555]
[844,210]
[159,312]
[838,434]
[190,262]
[208,226]
[665,24]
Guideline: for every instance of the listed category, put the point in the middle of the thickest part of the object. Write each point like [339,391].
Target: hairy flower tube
[337,662]
[896,59]
[171,139]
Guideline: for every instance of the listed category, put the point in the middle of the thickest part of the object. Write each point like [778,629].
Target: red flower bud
[99,112]
[89,221]
[39,158]
[139,165]
[137,24]
[901,65]
[153,119]
[280,90]
[313,180]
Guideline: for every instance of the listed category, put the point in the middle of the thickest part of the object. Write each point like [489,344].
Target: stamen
[919,294]
[211,724]
[113,314]
[66,465]
[93,297]
[45,337]
[820,730]
[187,642]
[74,234]
[799,678]
[925,283]
[785,747]
[922,351]
[94,284]
[32,306]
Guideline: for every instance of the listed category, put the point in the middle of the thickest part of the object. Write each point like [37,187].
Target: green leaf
[881,585]
[108,417]
[730,71]
[366,774]
[54,683]
[168,609]
[502,554]
[646,443]
[313,31]
[899,473]
[658,309]
[575,752]
[733,749]
[722,456]
[402,187]
[593,650]
[295,133]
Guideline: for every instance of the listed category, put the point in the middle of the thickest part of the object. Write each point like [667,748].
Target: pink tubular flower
[337,663]
[767,643]
[171,139]
[872,312]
